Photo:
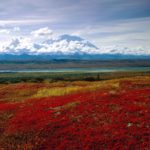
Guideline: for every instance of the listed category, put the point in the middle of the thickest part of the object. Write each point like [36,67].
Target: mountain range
[64,47]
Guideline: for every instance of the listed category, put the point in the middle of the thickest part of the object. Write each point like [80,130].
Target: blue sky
[106,23]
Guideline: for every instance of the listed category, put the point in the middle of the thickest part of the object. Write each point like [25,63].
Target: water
[113,69]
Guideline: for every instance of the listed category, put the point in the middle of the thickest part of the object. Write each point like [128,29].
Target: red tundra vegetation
[106,115]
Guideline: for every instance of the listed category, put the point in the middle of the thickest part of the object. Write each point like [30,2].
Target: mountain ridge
[23,57]
[64,47]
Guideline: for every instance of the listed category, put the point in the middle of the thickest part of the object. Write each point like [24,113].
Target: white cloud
[18,46]
[24,22]
[117,49]
[66,47]
[4,31]
[42,32]
[59,45]
[41,42]
[16,29]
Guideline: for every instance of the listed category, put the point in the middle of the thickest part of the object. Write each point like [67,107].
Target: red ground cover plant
[92,120]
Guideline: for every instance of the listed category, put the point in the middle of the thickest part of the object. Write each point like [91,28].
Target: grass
[57,91]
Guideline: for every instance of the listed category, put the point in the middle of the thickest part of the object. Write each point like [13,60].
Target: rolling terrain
[72,63]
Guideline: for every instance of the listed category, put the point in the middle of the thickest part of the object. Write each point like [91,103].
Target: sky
[105,23]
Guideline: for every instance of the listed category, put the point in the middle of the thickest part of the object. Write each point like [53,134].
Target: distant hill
[26,57]
[68,63]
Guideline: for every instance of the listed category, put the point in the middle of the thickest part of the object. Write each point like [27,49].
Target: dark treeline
[6,78]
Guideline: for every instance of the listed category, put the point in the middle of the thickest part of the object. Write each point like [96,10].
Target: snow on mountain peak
[69,38]
[64,44]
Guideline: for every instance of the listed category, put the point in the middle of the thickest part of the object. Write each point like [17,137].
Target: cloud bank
[42,32]
[44,41]
[106,23]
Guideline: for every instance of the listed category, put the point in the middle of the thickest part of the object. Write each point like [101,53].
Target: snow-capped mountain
[65,46]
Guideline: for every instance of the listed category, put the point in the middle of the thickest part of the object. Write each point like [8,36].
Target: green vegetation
[65,76]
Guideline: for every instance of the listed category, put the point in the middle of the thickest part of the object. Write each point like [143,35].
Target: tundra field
[109,114]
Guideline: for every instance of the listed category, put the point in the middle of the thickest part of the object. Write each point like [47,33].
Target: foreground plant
[113,118]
